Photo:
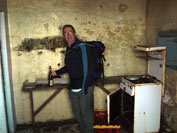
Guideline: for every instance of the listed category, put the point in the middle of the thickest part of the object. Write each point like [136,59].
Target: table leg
[104,89]
[32,111]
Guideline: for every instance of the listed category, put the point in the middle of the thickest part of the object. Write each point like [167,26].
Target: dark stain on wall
[46,26]
[60,27]
[101,6]
[88,31]
[123,7]
[63,51]
[49,43]
[89,22]
[39,53]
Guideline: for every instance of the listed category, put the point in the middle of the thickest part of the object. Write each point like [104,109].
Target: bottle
[50,77]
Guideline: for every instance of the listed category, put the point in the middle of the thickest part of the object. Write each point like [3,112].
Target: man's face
[69,35]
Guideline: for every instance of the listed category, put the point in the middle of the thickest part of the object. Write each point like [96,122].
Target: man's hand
[54,74]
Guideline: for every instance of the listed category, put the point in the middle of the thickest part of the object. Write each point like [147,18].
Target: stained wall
[119,24]
[160,16]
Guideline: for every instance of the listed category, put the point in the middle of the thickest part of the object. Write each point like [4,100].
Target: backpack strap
[85,65]
[82,46]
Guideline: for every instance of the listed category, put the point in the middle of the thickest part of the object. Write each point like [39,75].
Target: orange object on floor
[106,128]
[101,126]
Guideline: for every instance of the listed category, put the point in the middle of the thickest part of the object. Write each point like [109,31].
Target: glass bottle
[50,77]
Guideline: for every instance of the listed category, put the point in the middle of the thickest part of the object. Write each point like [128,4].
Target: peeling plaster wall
[161,16]
[169,110]
[119,24]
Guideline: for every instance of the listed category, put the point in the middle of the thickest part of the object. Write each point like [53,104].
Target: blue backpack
[99,60]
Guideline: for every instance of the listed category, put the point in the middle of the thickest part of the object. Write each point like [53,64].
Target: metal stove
[146,91]
[129,83]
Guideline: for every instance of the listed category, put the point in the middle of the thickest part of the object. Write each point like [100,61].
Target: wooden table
[31,86]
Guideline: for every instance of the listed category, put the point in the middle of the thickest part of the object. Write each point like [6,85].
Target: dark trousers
[83,109]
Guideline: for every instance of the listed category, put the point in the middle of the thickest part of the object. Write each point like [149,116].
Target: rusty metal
[161,49]
[163,75]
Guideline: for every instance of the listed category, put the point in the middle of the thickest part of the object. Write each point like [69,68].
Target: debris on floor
[66,126]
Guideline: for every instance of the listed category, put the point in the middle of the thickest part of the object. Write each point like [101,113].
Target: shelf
[148,58]
[149,48]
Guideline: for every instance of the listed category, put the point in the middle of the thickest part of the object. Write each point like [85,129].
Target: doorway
[7,104]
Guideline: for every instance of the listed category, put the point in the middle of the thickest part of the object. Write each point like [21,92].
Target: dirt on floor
[67,126]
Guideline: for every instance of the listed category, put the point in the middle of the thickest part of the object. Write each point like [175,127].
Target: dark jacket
[79,63]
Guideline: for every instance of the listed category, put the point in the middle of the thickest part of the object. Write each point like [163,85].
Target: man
[79,63]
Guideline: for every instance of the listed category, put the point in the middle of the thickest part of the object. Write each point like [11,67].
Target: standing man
[79,64]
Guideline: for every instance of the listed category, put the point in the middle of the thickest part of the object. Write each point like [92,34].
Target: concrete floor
[67,126]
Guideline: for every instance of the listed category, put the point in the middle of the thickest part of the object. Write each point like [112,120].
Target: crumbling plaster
[160,16]
[119,24]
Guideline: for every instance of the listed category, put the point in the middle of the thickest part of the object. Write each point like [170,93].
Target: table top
[30,86]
